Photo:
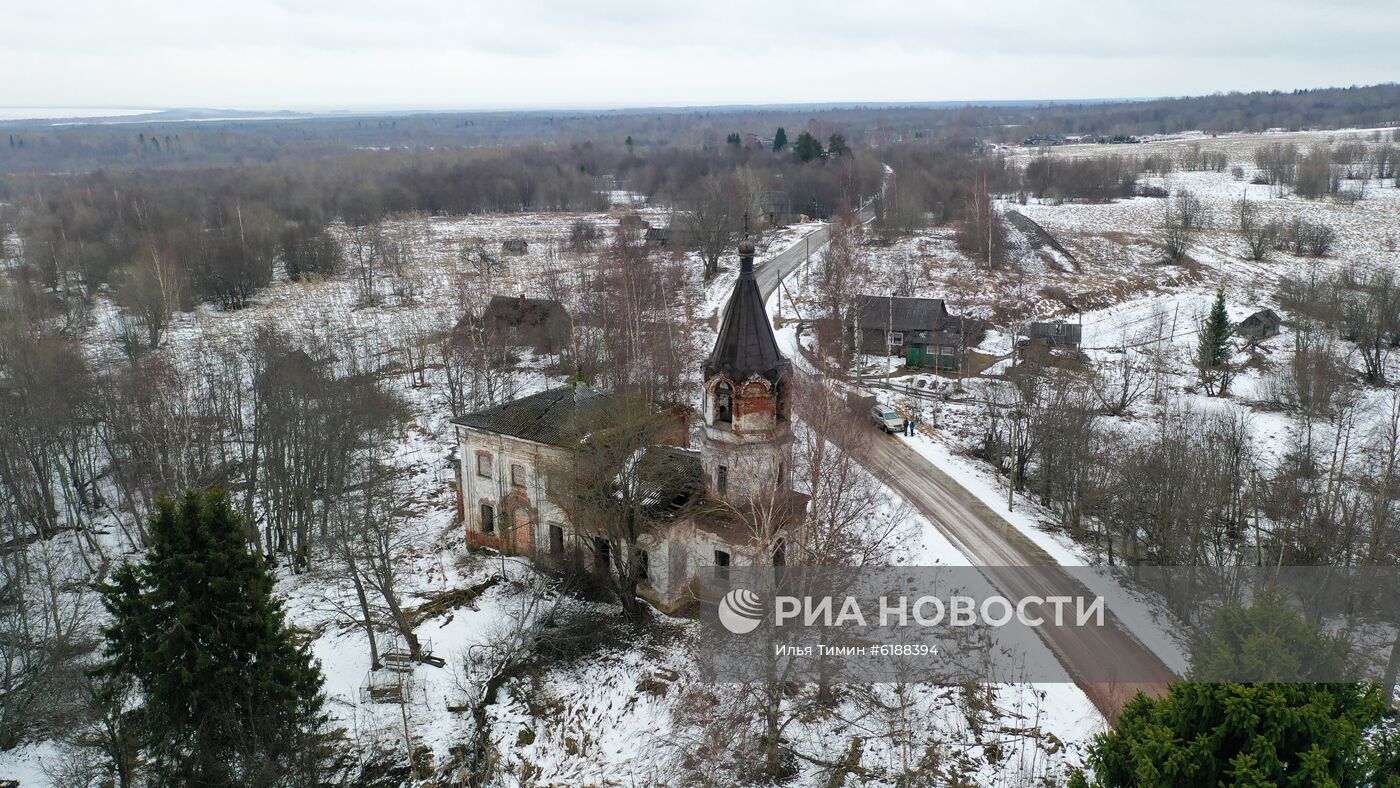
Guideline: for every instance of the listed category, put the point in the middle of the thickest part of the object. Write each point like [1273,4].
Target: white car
[886,419]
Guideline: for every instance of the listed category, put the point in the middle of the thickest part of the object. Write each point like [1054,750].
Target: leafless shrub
[1316,176]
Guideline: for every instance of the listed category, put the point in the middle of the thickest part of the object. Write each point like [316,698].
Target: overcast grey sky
[311,54]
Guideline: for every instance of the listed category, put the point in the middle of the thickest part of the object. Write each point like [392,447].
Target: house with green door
[920,330]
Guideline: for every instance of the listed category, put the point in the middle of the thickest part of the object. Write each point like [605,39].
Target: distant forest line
[171,215]
[31,148]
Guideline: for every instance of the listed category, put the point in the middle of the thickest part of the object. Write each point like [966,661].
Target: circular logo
[740,611]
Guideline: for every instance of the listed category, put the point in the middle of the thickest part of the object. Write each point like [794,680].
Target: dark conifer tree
[807,148]
[836,146]
[780,139]
[1211,732]
[1213,349]
[229,697]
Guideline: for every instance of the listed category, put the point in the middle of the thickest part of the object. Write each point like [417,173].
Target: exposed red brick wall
[743,406]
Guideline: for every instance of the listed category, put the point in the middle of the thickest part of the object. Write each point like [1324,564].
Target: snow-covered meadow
[611,717]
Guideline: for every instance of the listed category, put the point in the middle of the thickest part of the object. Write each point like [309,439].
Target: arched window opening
[724,402]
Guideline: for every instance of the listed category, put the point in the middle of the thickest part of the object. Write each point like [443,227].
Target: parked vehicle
[886,419]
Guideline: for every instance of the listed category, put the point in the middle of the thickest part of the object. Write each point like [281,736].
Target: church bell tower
[746,448]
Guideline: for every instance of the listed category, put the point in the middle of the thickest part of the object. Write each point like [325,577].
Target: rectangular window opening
[721,565]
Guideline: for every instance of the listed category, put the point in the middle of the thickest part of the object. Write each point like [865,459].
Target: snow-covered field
[610,717]
[1115,284]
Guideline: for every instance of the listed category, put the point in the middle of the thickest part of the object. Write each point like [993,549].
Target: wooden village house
[733,504]
[1261,325]
[1057,333]
[542,324]
[919,329]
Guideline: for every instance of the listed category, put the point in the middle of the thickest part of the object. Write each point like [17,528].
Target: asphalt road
[1010,561]
[1018,568]
[771,272]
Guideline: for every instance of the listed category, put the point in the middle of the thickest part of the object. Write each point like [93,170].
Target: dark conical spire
[746,345]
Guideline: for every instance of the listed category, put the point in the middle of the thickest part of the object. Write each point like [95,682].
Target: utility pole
[1011,486]
[889,341]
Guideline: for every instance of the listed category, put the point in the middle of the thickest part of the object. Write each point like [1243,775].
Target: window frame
[520,479]
[484,456]
[487,513]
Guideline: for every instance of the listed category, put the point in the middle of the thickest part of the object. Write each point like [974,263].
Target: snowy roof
[541,417]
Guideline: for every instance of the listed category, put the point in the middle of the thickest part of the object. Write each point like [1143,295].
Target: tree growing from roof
[1213,349]
[807,147]
[780,140]
[229,697]
[622,481]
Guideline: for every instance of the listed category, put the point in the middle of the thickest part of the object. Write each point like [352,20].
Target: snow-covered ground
[1114,282]
[613,713]
[607,717]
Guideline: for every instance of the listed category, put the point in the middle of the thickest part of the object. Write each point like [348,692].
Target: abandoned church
[734,505]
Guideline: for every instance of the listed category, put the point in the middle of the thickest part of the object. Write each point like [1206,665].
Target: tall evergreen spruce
[1213,351]
[230,699]
[780,139]
[807,147]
